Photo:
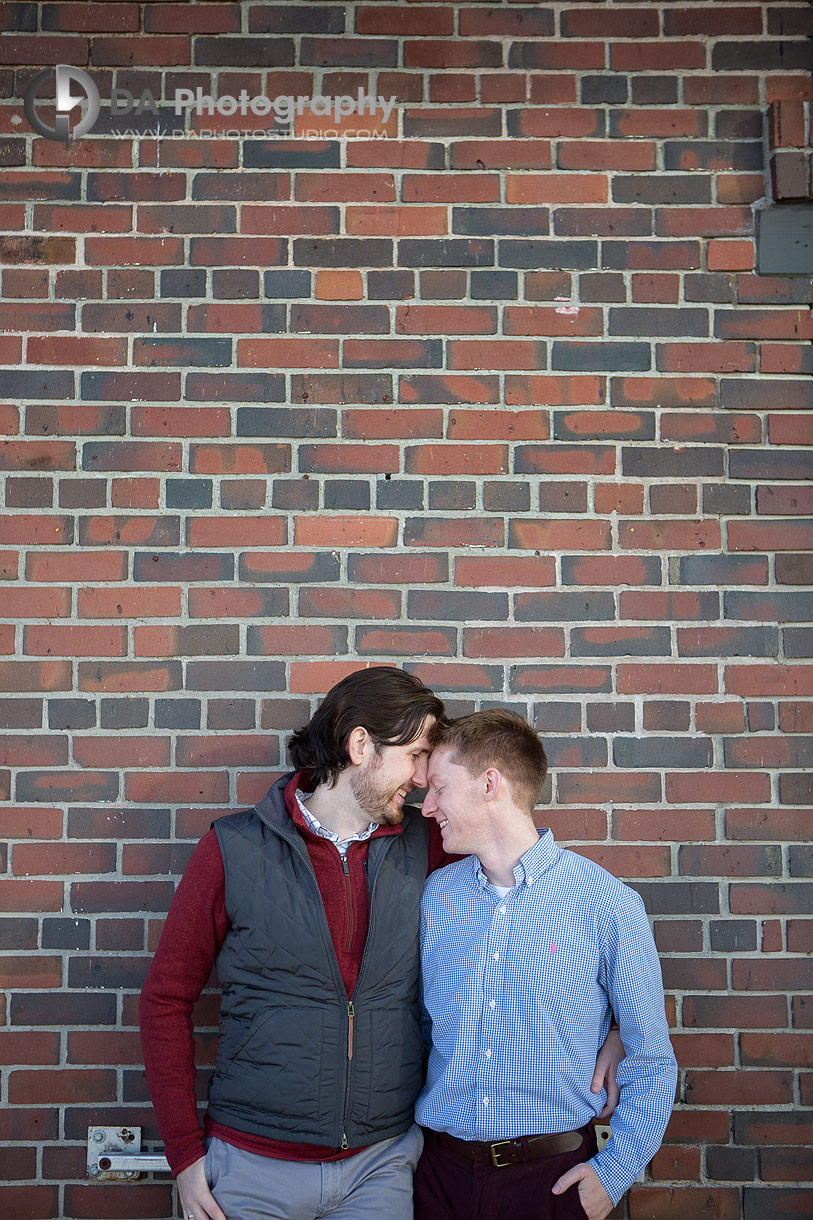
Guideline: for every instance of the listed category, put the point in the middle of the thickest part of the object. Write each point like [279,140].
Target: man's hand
[592,1195]
[197,1201]
[609,1057]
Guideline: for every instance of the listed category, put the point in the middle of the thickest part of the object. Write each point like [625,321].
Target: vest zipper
[348,898]
[351,1014]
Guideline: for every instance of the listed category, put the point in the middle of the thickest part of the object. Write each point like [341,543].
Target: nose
[419,777]
[430,805]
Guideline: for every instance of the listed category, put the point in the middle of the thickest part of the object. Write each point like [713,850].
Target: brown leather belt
[502,1153]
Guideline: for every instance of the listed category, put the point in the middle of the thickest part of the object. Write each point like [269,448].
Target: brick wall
[492,393]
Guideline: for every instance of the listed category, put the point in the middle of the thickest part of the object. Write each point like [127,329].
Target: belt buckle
[495,1153]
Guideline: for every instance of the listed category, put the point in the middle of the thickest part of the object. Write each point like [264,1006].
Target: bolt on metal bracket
[114,1155]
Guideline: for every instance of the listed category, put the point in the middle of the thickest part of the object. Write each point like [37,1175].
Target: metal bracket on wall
[603,1133]
[114,1155]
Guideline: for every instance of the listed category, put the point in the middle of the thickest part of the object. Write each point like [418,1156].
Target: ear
[493,783]
[358,744]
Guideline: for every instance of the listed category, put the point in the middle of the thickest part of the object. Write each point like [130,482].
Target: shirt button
[488,1054]
[502,910]
[496,957]
[485,1101]
[529,880]
[492,1004]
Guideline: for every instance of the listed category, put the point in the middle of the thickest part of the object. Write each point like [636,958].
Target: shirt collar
[317,828]
[530,867]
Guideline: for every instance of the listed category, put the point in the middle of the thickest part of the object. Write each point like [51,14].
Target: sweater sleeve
[194,931]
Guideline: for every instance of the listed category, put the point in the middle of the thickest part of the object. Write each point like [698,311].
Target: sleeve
[194,931]
[648,1074]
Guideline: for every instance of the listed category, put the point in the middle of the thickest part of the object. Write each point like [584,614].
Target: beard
[374,799]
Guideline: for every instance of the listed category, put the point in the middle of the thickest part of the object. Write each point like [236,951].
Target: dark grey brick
[466,605]
[581,356]
[236,284]
[343,252]
[641,461]
[393,285]
[639,642]
[658,320]
[286,421]
[598,90]
[283,154]
[666,752]
[679,897]
[399,493]
[798,641]
[494,285]
[560,255]
[177,713]
[801,856]
[259,676]
[713,287]
[770,607]
[127,713]
[346,494]
[576,751]
[189,493]
[555,717]
[183,282]
[485,221]
[558,607]
[230,51]
[726,500]
[287,284]
[18,933]
[724,1164]
[452,494]
[445,252]
[66,933]
[71,713]
[733,935]
[240,387]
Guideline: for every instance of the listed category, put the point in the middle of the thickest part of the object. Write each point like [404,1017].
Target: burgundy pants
[451,1187]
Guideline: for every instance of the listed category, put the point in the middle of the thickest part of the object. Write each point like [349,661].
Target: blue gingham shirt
[518,996]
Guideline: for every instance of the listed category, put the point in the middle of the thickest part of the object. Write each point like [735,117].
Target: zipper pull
[351,1013]
[344,1144]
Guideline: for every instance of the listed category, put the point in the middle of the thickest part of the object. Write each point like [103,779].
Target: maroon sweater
[196,926]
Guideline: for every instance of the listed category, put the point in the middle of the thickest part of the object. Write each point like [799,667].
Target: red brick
[692,825]
[68,1085]
[39,971]
[556,188]
[141,751]
[29,1048]
[141,602]
[144,787]
[708,1202]
[63,859]
[573,391]
[560,535]
[74,641]
[498,425]
[24,822]
[350,603]
[720,717]
[446,459]
[237,532]
[500,642]
[687,787]
[339,285]
[345,531]
[496,354]
[382,423]
[402,568]
[796,717]
[32,896]
[556,321]
[761,680]
[35,675]
[288,353]
[35,603]
[698,357]
[637,861]
[738,1088]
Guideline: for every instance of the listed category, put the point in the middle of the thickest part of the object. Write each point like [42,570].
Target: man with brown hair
[526,953]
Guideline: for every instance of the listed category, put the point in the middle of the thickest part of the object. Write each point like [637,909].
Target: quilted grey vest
[284,1068]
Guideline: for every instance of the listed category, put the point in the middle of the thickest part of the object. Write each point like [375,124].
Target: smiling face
[454,800]
[388,775]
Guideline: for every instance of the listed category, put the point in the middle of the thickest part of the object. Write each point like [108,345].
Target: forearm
[639,1121]
[194,931]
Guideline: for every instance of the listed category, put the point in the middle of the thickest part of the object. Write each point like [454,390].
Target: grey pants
[374,1183]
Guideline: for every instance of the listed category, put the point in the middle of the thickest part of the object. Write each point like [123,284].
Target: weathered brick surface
[489,390]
